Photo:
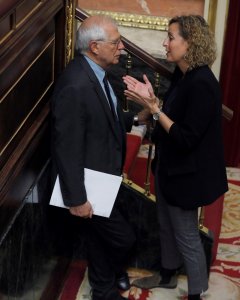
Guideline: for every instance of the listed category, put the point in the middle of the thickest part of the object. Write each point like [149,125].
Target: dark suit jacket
[191,163]
[84,134]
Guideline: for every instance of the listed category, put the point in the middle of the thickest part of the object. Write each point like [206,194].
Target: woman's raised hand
[141,93]
[136,86]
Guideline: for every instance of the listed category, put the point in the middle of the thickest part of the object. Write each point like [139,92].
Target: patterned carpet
[224,281]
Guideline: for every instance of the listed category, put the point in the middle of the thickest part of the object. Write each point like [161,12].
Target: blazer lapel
[101,96]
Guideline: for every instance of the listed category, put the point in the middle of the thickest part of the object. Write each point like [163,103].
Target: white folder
[101,189]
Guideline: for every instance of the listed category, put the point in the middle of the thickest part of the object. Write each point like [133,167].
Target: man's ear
[94,47]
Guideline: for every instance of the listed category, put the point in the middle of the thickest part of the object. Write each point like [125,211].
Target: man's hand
[84,211]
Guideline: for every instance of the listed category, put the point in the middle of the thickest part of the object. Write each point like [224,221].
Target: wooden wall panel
[25,8]
[5,26]
[18,106]
[32,51]
[13,68]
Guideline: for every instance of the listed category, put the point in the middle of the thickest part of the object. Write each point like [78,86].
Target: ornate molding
[212,14]
[134,20]
[152,22]
[70,26]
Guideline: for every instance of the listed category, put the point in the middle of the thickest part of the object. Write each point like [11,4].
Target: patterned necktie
[110,100]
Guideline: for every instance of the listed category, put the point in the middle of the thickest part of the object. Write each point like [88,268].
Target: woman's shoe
[155,281]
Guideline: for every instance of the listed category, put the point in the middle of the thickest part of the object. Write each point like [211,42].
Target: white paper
[101,189]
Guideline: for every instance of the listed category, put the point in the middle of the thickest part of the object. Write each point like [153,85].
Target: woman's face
[176,47]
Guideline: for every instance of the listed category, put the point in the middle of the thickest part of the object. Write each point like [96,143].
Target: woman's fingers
[130,80]
[130,86]
[137,98]
[146,79]
[130,94]
[151,93]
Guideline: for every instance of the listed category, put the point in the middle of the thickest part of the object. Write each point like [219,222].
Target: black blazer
[191,169]
[84,134]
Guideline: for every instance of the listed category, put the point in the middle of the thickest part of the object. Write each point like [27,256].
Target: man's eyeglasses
[116,43]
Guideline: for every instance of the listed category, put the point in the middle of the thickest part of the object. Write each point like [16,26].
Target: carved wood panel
[33,35]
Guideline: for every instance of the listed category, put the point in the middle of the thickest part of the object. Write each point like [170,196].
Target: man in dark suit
[89,132]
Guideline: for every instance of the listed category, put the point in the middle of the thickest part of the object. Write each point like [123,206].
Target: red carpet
[224,282]
[222,217]
[74,280]
[228,259]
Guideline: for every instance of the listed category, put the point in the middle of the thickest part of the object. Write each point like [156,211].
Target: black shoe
[111,295]
[123,282]
[118,298]
[194,297]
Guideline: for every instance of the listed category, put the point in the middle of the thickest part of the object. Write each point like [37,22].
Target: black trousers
[109,241]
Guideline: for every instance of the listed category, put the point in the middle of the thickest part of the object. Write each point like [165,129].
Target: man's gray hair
[95,32]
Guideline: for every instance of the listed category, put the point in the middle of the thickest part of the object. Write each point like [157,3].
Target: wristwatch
[135,120]
[156,115]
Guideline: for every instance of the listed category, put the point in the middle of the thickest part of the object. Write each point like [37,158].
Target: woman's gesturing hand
[141,93]
[134,85]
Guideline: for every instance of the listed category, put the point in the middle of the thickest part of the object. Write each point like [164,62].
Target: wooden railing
[148,59]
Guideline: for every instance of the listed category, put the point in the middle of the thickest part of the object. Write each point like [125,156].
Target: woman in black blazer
[189,163]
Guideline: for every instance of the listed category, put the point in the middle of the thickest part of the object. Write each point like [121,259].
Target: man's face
[109,50]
